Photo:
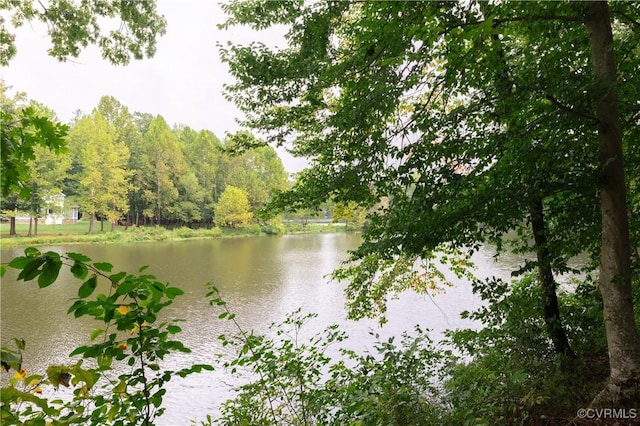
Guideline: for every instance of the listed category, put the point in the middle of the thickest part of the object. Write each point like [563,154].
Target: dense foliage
[457,123]
[131,168]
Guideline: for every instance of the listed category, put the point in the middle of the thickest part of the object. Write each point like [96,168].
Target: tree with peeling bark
[472,119]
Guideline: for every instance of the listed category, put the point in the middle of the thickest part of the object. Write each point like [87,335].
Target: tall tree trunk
[615,253]
[35,226]
[30,226]
[552,318]
[12,226]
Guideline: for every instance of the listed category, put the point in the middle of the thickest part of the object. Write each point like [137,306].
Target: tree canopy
[73,25]
[23,128]
[471,119]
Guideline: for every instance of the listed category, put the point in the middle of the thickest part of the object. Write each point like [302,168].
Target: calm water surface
[262,279]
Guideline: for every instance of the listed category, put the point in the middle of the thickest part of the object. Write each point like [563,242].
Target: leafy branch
[132,305]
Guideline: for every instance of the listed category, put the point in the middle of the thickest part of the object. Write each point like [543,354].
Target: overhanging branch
[570,110]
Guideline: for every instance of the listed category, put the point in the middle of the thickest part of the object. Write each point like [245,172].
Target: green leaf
[117,277]
[108,314]
[81,375]
[20,343]
[49,273]
[88,287]
[19,262]
[173,329]
[103,266]
[32,252]
[78,257]
[52,256]
[172,292]
[79,350]
[95,333]
[10,394]
[10,359]
[126,287]
[31,270]
[104,361]
[79,270]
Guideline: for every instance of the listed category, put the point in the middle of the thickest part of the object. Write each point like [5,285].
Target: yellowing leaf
[19,375]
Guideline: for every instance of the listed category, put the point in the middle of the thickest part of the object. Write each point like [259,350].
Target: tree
[103,177]
[472,118]
[47,172]
[233,210]
[127,133]
[351,213]
[202,151]
[615,253]
[162,165]
[258,170]
[23,127]
[74,25]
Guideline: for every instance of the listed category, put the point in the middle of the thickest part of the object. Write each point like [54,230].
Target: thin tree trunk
[30,225]
[92,219]
[615,253]
[12,226]
[552,318]
[35,226]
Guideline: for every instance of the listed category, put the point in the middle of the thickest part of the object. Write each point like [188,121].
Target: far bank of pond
[78,233]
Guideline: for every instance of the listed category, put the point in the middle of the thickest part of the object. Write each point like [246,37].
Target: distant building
[54,209]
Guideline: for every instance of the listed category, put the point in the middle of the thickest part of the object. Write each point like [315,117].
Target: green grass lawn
[22,229]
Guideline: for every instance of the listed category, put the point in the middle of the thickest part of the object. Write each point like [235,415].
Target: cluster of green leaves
[127,383]
[291,379]
[74,25]
[24,129]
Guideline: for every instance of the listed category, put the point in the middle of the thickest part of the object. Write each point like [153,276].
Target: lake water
[262,279]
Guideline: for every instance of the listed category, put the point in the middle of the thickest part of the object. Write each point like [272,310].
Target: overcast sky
[183,82]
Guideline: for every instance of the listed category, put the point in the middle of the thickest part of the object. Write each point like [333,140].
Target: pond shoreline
[59,235]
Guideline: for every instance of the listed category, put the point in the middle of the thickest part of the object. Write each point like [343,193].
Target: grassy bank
[78,233]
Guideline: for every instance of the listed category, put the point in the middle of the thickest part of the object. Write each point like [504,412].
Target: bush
[291,380]
[507,372]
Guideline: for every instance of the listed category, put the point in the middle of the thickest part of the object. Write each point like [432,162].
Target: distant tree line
[128,167]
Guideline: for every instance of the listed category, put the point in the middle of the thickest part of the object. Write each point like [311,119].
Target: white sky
[183,82]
